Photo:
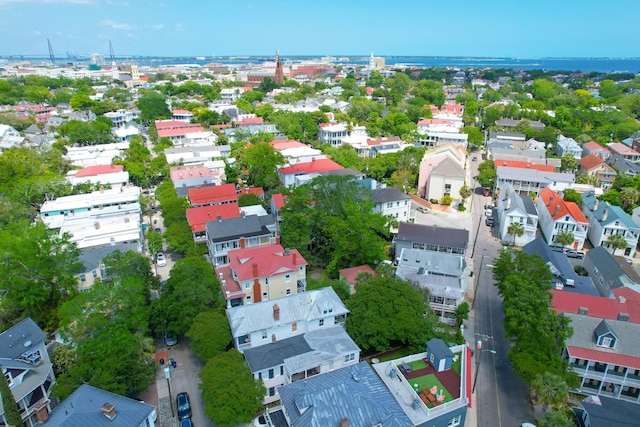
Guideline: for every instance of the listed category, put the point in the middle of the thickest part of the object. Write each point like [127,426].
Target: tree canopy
[210,334]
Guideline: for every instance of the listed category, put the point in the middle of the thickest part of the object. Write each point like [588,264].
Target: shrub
[446,200]
[461,208]
[434,201]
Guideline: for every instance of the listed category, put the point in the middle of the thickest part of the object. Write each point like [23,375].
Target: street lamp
[479,350]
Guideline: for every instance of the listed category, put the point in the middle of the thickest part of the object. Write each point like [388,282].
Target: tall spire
[279,76]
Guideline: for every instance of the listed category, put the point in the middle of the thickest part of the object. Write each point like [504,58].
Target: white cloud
[117,25]
[157,27]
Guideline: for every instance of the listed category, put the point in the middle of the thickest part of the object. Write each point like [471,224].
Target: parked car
[488,211]
[422,209]
[170,340]
[161,260]
[260,421]
[186,423]
[489,221]
[474,158]
[571,253]
[184,405]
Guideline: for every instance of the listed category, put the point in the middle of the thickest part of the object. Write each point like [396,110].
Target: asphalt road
[503,399]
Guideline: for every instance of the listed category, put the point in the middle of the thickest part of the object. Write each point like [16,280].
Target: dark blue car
[183,405]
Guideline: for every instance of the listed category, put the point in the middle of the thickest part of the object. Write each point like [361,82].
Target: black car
[183,405]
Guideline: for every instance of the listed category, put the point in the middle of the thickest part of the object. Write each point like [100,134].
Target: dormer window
[605,336]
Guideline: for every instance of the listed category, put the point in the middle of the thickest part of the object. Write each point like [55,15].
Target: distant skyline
[491,28]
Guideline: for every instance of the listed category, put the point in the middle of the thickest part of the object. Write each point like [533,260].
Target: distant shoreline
[594,64]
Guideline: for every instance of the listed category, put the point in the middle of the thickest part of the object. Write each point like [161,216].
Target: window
[287,278]
[247,284]
[264,334]
[281,370]
[248,299]
[266,280]
[455,421]
[260,376]
[321,322]
[271,373]
[294,326]
[390,204]
[349,357]
[272,391]
[83,278]
[606,342]
[288,291]
[265,296]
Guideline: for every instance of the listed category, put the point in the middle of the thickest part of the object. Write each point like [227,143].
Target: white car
[161,260]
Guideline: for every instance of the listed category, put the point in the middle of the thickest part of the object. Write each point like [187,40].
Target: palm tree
[615,242]
[629,196]
[565,237]
[515,229]
[550,389]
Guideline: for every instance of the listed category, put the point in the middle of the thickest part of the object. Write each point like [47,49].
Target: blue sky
[511,28]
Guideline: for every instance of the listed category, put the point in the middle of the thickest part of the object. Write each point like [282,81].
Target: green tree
[565,237]
[230,394]
[38,272]
[63,359]
[465,192]
[210,334]
[475,135]
[153,107]
[446,200]
[260,161]
[616,242]
[249,199]
[569,163]
[80,102]
[587,179]
[386,312]
[487,174]
[461,313]
[550,390]
[556,419]
[629,197]
[515,229]
[11,411]
[571,195]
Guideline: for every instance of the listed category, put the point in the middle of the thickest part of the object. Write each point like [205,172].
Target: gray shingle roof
[243,226]
[15,340]
[431,234]
[91,257]
[83,408]
[304,306]
[611,412]
[355,393]
[274,354]
[390,194]
[584,337]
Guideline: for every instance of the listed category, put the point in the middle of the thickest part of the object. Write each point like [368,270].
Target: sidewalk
[166,414]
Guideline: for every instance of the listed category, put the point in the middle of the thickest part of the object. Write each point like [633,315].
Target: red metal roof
[270,259]
[258,191]
[435,122]
[523,165]
[99,170]
[559,208]
[198,217]
[594,146]
[278,200]
[350,274]
[604,357]
[591,161]
[315,166]
[213,194]
[284,145]
[250,121]
[179,131]
[600,307]
[181,112]
[387,140]
[174,124]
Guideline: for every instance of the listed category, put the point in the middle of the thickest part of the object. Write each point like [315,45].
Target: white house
[514,208]
[566,145]
[526,181]
[606,220]
[391,202]
[555,215]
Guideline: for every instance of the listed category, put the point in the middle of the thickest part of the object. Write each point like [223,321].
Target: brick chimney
[242,247]
[276,312]
[257,289]
[108,410]
[295,258]
[557,210]
[344,422]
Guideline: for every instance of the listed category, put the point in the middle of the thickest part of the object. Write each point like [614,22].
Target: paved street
[502,398]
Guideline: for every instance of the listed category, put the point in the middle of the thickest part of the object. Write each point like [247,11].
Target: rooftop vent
[108,410]
[583,310]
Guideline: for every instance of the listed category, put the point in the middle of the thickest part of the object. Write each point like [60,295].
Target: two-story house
[515,208]
[198,217]
[392,203]
[566,146]
[301,173]
[606,220]
[262,273]
[429,238]
[29,372]
[593,165]
[241,232]
[527,181]
[609,272]
[620,151]
[555,216]
[605,356]
[596,149]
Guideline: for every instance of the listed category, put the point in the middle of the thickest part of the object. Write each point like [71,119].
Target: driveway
[184,378]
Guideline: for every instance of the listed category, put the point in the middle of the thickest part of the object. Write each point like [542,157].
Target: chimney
[295,258]
[219,218]
[528,165]
[623,317]
[557,210]
[551,199]
[278,240]
[108,410]
[242,247]
[595,205]
[344,422]
[605,214]
[276,312]
[508,204]
[583,310]
[254,265]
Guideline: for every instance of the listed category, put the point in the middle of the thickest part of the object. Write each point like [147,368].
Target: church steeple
[279,76]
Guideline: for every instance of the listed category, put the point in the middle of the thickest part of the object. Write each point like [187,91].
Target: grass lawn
[457,363]
[429,381]
[401,352]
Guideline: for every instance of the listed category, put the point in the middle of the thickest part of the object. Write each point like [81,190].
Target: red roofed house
[277,203]
[592,165]
[605,355]
[626,304]
[456,109]
[182,115]
[555,215]
[113,175]
[620,151]
[198,217]
[174,124]
[523,165]
[349,275]
[262,273]
[595,149]
[213,195]
[291,175]
[249,121]
[177,134]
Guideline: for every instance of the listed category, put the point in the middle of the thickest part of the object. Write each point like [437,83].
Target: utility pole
[167,374]
[475,288]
